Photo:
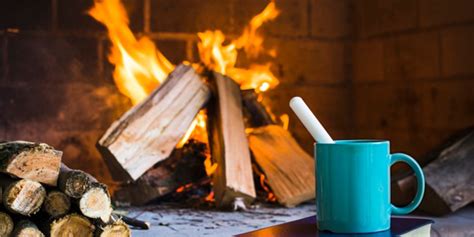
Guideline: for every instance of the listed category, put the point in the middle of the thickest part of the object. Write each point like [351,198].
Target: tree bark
[74,182]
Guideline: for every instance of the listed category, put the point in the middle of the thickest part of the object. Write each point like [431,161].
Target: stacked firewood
[41,196]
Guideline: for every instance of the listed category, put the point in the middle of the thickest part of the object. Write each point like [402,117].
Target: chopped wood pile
[43,197]
[141,147]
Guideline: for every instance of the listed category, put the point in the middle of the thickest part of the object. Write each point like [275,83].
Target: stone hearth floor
[171,220]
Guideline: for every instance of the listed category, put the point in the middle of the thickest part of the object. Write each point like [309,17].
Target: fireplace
[398,70]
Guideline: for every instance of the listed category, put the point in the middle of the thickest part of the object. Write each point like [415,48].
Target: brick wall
[56,82]
[413,71]
[396,69]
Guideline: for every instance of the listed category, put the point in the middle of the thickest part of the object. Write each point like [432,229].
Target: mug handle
[420,179]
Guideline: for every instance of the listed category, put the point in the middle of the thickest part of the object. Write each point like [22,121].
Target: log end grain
[26,228]
[6,224]
[72,225]
[96,203]
[24,197]
[56,204]
[117,229]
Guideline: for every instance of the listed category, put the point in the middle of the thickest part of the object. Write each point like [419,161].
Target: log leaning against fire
[35,161]
[233,179]
[150,131]
[288,168]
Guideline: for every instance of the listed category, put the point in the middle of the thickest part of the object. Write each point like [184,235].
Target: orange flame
[210,197]
[139,66]
[222,58]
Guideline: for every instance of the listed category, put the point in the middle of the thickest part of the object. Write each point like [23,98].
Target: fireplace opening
[186,102]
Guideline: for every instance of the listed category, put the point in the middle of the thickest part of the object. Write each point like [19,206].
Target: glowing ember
[210,197]
[270,195]
[139,66]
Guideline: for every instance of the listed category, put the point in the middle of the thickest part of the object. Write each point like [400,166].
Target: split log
[96,203]
[28,160]
[448,177]
[56,204]
[23,196]
[6,224]
[26,228]
[288,168]
[184,166]
[116,229]
[228,142]
[74,182]
[72,225]
[150,131]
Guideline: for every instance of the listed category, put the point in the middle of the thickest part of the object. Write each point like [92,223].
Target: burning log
[228,142]
[256,115]
[71,225]
[22,196]
[56,204]
[28,160]
[26,228]
[149,132]
[74,182]
[184,166]
[6,224]
[288,168]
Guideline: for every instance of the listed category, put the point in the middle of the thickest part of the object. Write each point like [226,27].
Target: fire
[139,66]
[222,58]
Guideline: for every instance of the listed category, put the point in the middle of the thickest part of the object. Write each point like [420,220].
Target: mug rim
[356,142]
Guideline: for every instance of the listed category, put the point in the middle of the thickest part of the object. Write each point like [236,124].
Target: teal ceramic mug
[353,185]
